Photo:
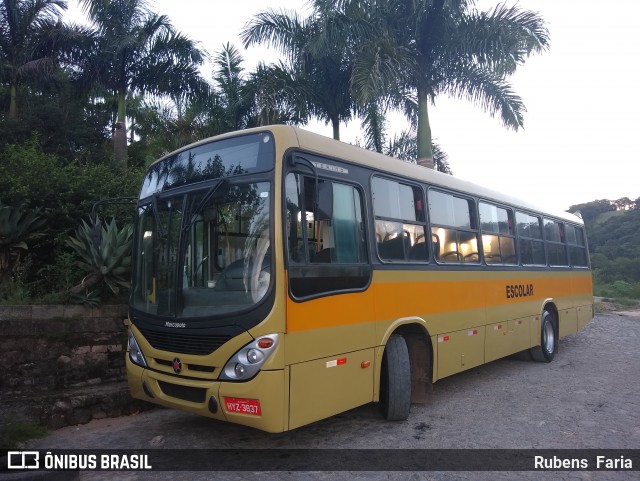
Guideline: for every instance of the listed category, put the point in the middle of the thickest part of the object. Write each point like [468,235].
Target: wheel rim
[548,337]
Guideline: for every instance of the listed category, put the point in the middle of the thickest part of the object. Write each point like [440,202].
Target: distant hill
[613,233]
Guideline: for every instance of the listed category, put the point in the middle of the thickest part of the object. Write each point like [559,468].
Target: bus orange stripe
[392,300]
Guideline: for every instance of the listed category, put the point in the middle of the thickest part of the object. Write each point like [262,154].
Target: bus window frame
[510,210]
[424,223]
[334,177]
[584,247]
[473,216]
[540,218]
[563,242]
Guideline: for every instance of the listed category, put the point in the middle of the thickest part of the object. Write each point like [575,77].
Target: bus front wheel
[395,380]
[548,338]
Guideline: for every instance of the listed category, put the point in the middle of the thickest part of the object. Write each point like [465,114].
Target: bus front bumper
[259,403]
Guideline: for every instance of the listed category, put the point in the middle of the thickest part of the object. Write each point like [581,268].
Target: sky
[582,99]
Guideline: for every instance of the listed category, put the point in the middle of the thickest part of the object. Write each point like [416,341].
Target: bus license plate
[243,406]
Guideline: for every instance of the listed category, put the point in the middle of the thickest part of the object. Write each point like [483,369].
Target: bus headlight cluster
[246,363]
[135,353]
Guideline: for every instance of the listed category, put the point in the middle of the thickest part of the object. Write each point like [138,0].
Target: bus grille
[186,393]
[199,344]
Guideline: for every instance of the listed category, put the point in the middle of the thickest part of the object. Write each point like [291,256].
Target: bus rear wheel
[548,338]
[395,380]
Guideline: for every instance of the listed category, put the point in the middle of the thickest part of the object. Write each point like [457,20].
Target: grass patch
[13,434]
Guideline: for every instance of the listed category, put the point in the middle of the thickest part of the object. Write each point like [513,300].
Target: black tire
[548,338]
[395,380]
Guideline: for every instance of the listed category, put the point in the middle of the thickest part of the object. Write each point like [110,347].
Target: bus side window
[556,243]
[454,228]
[498,237]
[530,243]
[337,235]
[400,221]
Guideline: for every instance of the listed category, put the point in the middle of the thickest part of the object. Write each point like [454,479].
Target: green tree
[237,100]
[322,66]
[591,210]
[425,48]
[136,51]
[27,46]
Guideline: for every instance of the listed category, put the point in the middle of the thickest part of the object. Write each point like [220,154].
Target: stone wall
[63,365]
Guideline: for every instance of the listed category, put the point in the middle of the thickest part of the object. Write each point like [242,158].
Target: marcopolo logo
[23,460]
[181,325]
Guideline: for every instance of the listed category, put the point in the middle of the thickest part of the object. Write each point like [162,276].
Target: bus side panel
[568,321]
[460,350]
[583,290]
[520,334]
[328,386]
[505,338]
[535,331]
[585,314]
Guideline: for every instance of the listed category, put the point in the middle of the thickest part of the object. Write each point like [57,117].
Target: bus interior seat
[418,252]
[395,248]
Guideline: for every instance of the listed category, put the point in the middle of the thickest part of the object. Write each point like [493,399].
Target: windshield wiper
[194,213]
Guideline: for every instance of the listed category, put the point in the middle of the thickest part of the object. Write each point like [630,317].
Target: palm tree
[237,100]
[27,29]
[138,51]
[268,95]
[425,48]
[320,73]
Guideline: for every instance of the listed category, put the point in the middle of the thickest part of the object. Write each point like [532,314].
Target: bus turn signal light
[365,364]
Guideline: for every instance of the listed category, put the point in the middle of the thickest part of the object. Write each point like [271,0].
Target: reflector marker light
[443,338]
[473,332]
[337,362]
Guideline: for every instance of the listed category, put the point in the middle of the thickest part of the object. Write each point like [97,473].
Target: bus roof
[326,146]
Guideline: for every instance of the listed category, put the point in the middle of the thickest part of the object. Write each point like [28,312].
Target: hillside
[614,247]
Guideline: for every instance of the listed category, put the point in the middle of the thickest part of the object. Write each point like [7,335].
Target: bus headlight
[135,353]
[246,363]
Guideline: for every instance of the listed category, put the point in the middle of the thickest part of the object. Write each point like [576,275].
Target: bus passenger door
[330,336]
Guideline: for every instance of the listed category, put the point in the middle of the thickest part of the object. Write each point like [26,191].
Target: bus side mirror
[325,201]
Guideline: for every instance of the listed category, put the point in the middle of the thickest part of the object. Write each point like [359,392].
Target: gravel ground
[588,397]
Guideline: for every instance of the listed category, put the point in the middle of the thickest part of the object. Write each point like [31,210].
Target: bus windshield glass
[245,154]
[204,252]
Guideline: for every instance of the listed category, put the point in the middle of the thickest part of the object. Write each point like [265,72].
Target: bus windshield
[203,252]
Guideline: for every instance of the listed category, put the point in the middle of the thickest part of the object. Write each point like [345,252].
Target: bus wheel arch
[549,335]
[408,349]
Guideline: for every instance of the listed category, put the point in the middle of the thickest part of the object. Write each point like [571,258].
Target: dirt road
[588,397]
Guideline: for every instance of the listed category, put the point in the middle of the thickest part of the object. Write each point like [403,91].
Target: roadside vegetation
[613,233]
[14,435]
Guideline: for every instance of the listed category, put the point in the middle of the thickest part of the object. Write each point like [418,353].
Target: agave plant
[105,254]
[17,227]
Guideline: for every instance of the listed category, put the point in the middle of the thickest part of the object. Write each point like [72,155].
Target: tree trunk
[120,133]
[335,122]
[13,103]
[425,151]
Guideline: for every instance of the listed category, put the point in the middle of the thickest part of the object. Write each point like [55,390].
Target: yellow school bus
[281,277]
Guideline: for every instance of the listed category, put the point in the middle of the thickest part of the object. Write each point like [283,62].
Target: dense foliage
[613,232]
[63,193]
